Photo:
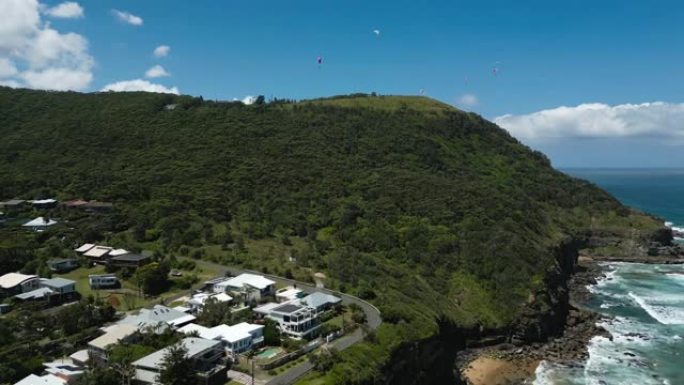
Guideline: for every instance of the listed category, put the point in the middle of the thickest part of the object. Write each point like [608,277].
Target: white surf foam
[664,314]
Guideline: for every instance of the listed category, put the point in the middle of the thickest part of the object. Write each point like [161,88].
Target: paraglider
[495,70]
[376,32]
[319,60]
[422,91]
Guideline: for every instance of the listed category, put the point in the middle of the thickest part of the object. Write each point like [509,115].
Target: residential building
[98,254]
[129,259]
[236,339]
[62,265]
[207,356]
[248,287]
[85,247]
[321,301]
[47,379]
[42,293]
[64,369]
[40,223]
[80,357]
[158,318]
[5,308]
[289,293]
[59,285]
[103,281]
[294,320]
[44,203]
[16,283]
[196,303]
[113,334]
[13,205]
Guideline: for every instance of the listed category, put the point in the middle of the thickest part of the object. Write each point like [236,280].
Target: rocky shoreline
[580,325]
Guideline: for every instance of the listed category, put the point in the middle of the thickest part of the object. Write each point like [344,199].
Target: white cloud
[162,51]
[33,54]
[57,79]
[66,10]
[7,68]
[249,100]
[468,100]
[127,18]
[156,72]
[139,85]
[599,120]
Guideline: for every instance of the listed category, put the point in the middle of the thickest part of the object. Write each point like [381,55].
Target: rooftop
[158,314]
[57,282]
[117,252]
[81,356]
[12,202]
[47,379]
[128,257]
[11,280]
[195,346]
[253,280]
[44,201]
[266,308]
[40,221]
[318,299]
[98,251]
[64,367]
[85,247]
[287,308]
[34,294]
[113,334]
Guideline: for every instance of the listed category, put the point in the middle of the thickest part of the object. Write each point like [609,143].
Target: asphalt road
[372,317]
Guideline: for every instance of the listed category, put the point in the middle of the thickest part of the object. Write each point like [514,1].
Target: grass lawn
[80,275]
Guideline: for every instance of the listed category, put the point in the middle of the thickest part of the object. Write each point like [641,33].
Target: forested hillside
[427,211]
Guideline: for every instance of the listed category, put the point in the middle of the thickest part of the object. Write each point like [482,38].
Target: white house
[48,379]
[236,339]
[98,254]
[196,303]
[83,248]
[16,283]
[65,369]
[247,286]
[293,319]
[114,334]
[287,294]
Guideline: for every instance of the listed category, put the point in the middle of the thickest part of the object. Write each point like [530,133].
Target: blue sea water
[645,303]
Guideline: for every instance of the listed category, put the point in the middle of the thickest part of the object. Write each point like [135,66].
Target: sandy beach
[496,371]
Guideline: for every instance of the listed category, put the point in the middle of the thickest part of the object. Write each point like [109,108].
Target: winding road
[372,313]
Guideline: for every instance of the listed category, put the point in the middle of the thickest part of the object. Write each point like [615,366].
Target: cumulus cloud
[127,18]
[162,51]
[156,72]
[249,100]
[468,100]
[66,10]
[35,55]
[139,85]
[599,120]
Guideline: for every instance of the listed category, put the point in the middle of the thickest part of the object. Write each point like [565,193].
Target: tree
[177,367]
[271,333]
[153,278]
[215,313]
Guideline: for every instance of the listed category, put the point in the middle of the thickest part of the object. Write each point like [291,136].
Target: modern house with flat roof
[196,303]
[207,356]
[247,287]
[65,369]
[294,320]
[236,339]
[289,293]
[17,283]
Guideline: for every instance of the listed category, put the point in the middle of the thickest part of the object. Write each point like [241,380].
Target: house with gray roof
[207,357]
[158,319]
[321,301]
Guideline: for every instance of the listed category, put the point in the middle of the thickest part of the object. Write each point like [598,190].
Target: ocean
[646,302]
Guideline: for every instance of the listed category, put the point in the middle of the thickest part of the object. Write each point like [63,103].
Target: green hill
[427,211]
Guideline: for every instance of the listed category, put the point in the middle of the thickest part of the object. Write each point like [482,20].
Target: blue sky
[548,54]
